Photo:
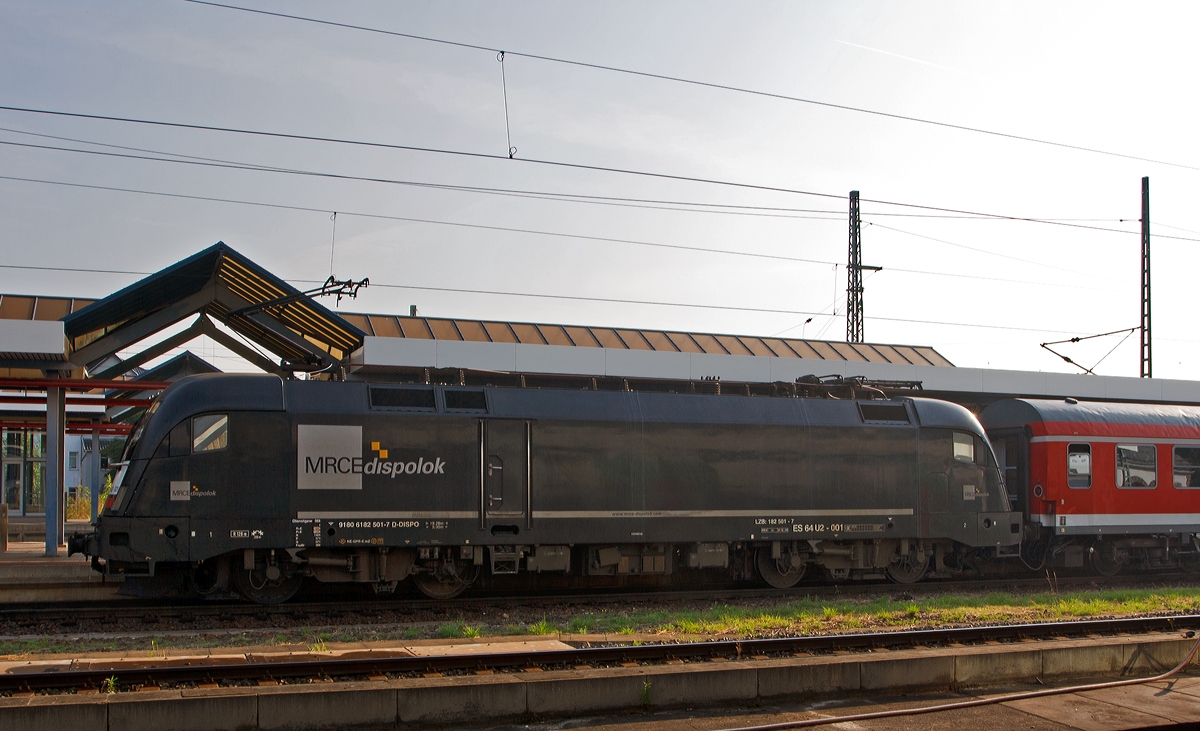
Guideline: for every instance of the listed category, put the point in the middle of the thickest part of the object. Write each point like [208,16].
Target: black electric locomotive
[254,483]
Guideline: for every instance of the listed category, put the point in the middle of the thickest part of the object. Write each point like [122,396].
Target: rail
[165,610]
[330,668]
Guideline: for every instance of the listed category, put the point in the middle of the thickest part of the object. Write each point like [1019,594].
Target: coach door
[504,476]
[1012,453]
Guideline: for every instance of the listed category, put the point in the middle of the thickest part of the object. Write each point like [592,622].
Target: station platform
[32,528]
[28,575]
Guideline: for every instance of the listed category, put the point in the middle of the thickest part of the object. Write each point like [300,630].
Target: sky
[984,292]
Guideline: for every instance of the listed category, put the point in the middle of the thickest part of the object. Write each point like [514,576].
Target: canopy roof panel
[227,286]
[430,328]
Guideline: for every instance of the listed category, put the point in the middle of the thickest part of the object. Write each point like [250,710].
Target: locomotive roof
[238,392]
[1019,412]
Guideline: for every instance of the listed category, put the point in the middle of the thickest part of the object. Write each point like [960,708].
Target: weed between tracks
[748,618]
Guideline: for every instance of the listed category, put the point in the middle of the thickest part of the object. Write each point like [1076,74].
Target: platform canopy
[641,339]
[217,284]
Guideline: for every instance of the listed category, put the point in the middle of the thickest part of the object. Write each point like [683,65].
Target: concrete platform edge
[513,696]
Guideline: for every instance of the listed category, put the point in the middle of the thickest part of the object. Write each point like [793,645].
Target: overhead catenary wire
[579,298]
[1079,338]
[332,240]
[512,151]
[691,305]
[535,161]
[705,84]
[535,232]
[985,251]
[653,203]
[1132,330]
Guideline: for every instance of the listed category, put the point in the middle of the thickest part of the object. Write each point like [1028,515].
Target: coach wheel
[447,581]
[1104,558]
[779,573]
[267,584]
[908,569]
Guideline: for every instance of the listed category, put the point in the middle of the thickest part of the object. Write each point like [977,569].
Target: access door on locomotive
[505,457]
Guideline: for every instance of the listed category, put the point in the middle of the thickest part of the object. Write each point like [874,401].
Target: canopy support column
[94,473]
[56,417]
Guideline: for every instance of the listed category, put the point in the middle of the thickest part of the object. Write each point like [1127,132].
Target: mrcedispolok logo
[331,458]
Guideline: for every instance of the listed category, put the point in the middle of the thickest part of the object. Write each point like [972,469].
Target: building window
[1186,471]
[14,442]
[1079,465]
[72,460]
[1137,466]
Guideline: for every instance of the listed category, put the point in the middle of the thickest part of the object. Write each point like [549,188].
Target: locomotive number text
[800,527]
[379,524]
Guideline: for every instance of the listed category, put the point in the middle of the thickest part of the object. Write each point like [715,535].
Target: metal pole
[1146,356]
[94,474]
[55,435]
[854,288]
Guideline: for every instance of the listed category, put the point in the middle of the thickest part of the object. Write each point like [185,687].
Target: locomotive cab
[198,466]
[963,492]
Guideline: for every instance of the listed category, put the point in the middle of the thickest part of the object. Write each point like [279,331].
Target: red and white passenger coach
[1117,482]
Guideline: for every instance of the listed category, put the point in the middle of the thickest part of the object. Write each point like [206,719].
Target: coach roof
[1018,412]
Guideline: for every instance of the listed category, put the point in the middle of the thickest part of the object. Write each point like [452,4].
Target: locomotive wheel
[1189,562]
[779,573]
[446,583]
[1035,554]
[257,586]
[209,576]
[907,569]
[1104,558]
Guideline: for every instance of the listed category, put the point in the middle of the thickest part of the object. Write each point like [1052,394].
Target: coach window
[1187,467]
[210,433]
[1079,465]
[964,447]
[1137,466]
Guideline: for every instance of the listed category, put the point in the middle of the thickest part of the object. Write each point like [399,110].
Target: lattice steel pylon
[1146,359]
[854,287]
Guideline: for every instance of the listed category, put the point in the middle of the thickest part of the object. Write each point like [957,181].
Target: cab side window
[1079,465]
[1137,466]
[210,432]
[1186,472]
[964,447]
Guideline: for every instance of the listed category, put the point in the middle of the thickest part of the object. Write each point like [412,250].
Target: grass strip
[744,619]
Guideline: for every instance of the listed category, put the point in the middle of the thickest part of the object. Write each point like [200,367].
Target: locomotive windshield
[131,445]
[971,448]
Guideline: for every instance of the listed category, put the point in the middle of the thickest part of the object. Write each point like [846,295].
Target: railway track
[200,673]
[69,616]
[186,619]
